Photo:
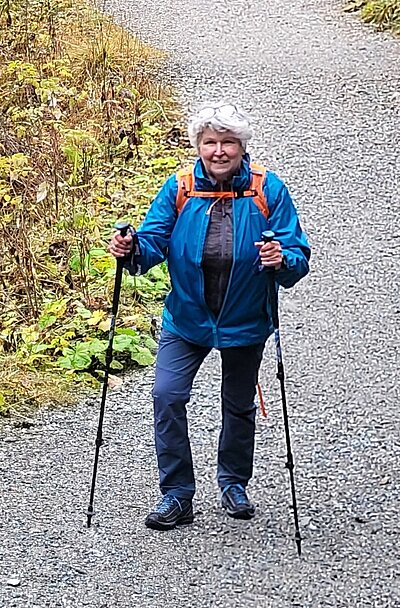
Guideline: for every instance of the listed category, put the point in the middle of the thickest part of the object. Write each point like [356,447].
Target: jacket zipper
[233,262]
[222,239]
[200,252]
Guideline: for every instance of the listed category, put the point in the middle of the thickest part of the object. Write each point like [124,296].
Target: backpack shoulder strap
[185,180]
[257,182]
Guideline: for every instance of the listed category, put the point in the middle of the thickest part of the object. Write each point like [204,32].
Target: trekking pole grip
[123,227]
[267,236]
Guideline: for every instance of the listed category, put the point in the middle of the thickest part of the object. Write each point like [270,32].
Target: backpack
[186,183]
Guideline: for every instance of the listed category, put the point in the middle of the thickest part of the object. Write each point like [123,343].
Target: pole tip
[90,514]
[298,544]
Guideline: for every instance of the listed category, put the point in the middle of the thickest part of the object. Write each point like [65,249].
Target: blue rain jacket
[244,317]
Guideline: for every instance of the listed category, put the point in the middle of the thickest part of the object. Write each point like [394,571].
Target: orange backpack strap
[185,178]
[257,182]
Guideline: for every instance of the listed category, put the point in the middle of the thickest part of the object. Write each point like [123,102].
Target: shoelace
[166,503]
[238,493]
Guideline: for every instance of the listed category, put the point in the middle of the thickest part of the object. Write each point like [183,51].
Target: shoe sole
[240,514]
[158,525]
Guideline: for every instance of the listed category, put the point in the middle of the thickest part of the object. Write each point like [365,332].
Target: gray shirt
[217,255]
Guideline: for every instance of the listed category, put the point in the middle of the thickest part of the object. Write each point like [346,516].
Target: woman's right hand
[120,246]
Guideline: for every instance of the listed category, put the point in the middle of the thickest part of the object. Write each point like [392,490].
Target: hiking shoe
[234,500]
[170,512]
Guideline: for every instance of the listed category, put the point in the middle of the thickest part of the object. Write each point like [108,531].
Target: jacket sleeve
[284,221]
[155,231]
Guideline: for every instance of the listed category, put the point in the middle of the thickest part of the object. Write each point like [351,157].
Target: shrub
[83,142]
[385,14]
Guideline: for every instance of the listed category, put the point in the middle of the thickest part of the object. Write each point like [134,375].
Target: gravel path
[325,90]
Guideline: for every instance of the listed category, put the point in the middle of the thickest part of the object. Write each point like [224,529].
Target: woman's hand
[120,246]
[270,254]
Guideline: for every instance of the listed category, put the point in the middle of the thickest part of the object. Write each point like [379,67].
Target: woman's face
[221,153]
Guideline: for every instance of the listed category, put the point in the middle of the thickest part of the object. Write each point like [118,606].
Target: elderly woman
[207,222]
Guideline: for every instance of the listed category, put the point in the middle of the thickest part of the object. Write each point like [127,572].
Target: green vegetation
[85,139]
[385,14]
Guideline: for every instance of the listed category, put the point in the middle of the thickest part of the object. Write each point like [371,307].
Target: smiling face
[221,153]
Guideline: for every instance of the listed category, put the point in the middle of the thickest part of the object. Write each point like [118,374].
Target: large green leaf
[143,356]
[150,343]
[78,357]
[122,343]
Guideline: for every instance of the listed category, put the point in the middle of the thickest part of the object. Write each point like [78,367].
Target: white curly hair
[220,116]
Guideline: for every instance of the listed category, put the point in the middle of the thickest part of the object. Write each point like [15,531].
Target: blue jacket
[244,317]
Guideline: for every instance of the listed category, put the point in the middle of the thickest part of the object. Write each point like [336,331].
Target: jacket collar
[240,182]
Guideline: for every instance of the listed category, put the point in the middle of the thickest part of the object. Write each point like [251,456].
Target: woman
[210,233]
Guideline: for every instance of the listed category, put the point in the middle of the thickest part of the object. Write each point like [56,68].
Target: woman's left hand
[270,254]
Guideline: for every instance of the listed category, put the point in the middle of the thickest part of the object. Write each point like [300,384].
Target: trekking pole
[267,237]
[123,228]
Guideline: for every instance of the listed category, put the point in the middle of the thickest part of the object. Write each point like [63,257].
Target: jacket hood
[239,183]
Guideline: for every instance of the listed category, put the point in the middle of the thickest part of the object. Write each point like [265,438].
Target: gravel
[325,91]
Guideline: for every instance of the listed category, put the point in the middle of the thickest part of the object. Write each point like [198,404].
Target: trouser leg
[177,364]
[240,367]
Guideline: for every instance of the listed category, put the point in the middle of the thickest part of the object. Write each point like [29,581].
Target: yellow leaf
[105,325]
[96,317]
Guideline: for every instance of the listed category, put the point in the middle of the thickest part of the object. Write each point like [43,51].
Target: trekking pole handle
[123,227]
[268,236]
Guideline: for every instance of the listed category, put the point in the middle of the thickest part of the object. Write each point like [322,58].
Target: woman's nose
[218,148]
